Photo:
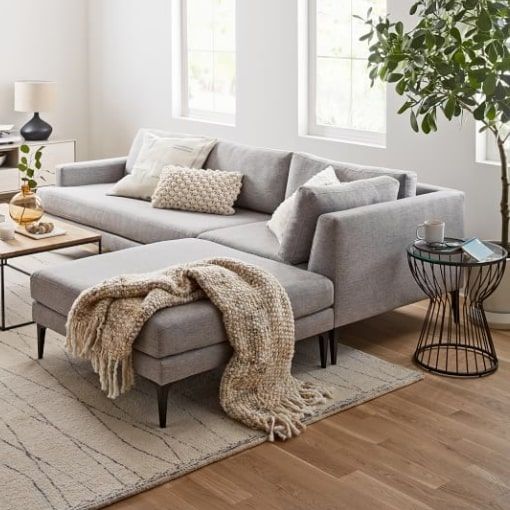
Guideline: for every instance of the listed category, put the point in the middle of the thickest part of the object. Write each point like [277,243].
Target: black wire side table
[455,339]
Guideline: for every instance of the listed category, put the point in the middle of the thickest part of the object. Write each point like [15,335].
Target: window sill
[205,121]
[330,139]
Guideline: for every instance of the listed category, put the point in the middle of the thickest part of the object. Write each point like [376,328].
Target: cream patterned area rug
[64,445]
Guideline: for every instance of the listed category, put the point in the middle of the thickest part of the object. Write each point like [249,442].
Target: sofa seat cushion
[254,238]
[183,327]
[304,166]
[133,219]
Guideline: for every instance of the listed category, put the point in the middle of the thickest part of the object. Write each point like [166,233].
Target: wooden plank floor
[439,444]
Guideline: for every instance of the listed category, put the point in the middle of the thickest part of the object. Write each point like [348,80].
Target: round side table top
[451,253]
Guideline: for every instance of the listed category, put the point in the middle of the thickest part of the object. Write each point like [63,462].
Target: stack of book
[8,136]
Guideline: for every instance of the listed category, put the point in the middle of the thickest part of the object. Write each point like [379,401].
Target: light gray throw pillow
[312,202]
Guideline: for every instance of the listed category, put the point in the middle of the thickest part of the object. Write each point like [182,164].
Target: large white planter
[497,306]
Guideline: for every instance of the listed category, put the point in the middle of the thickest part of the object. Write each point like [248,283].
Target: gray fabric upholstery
[110,242]
[182,365]
[312,202]
[57,288]
[254,238]
[134,219]
[423,189]
[138,142]
[363,251]
[190,364]
[265,173]
[90,172]
[305,166]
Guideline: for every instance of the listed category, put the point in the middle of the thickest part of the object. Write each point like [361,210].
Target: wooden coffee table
[21,246]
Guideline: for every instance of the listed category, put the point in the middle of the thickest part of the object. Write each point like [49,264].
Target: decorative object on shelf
[441,47]
[455,338]
[34,97]
[26,207]
[43,227]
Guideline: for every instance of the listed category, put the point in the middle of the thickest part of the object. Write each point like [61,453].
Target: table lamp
[34,97]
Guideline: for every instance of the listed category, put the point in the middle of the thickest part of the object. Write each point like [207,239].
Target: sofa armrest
[363,251]
[90,172]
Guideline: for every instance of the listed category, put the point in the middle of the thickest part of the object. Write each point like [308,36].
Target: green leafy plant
[455,61]
[30,165]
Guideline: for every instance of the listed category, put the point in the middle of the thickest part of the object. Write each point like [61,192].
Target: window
[341,103]
[208,72]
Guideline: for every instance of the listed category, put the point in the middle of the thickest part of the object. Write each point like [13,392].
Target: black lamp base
[36,129]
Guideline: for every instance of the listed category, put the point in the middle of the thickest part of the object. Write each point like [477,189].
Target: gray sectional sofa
[357,266]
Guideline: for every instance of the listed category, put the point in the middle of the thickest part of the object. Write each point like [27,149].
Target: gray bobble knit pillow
[190,189]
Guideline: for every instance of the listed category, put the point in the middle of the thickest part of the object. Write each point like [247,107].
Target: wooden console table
[56,152]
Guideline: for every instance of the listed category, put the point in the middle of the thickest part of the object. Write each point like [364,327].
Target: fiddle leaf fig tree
[455,61]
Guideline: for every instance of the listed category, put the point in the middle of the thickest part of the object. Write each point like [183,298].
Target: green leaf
[30,173]
[394,77]
[405,107]
[38,165]
[425,126]
[399,28]
[489,85]
[414,8]
[25,149]
[414,122]
[24,160]
[401,87]
[449,108]
[484,22]
[38,155]
[455,33]
[22,167]
[479,113]
[367,37]
[32,184]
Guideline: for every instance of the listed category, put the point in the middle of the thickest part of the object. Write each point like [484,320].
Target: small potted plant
[26,206]
[454,62]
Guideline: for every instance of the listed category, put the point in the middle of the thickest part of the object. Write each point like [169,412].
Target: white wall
[47,40]
[131,87]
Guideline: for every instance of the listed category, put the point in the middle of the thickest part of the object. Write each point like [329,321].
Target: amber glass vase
[25,207]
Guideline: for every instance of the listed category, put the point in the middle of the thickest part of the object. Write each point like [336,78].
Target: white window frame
[364,137]
[180,54]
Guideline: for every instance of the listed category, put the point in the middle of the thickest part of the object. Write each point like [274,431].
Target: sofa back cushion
[305,166]
[314,201]
[265,173]
[138,141]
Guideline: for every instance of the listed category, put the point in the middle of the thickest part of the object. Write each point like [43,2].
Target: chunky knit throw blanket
[257,387]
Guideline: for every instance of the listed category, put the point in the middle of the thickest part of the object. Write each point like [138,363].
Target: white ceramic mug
[432,232]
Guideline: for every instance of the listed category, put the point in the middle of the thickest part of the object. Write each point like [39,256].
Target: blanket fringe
[285,421]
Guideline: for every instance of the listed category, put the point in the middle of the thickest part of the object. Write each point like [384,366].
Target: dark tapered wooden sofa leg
[41,338]
[323,351]
[333,346]
[162,403]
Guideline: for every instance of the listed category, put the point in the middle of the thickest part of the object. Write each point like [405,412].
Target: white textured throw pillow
[191,189]
[157,153]
[283,213]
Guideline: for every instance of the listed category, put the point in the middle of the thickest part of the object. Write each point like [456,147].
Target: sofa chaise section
[185,340]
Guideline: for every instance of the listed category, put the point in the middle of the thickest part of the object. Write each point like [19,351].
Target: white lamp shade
[35,96]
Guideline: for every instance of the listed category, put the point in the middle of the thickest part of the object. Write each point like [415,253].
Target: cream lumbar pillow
[284,212]
[157,153]
[192,189]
